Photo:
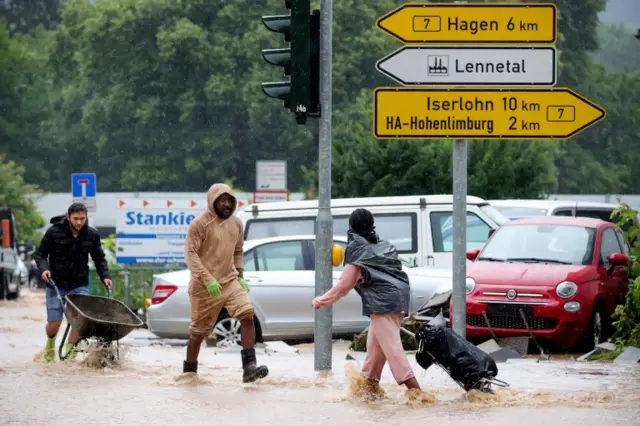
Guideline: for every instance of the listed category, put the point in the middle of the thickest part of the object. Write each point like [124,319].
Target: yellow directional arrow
[471,23]
[412,113]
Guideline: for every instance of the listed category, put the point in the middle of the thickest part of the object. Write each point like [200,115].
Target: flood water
[147,388]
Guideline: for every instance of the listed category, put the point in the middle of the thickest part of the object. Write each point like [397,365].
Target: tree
[619,49]
[24,16]
[24,103]
[19,196]
[627,315]
[364,166]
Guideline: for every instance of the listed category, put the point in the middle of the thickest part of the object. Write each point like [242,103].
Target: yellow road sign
[550,113]
[472,23]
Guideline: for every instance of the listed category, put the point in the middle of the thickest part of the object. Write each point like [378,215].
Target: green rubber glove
[244,284]
[214,288]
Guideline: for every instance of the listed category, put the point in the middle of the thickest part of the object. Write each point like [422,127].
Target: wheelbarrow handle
[55,288]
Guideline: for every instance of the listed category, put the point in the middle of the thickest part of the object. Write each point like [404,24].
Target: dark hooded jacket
[384,287]
[67,257]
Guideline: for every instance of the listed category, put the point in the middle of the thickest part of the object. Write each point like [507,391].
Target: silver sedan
[280,272]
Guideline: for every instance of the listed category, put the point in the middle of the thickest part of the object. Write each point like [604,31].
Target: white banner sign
[153,231]
[271,175]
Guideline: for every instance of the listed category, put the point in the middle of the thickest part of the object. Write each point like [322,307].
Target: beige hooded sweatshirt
[214,246]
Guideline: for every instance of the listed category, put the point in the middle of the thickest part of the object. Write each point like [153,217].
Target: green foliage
[359,343]
[165,95]
[618,48]
[364,166]
[627,316]
[16,194]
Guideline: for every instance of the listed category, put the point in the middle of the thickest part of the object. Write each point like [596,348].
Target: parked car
[280,272]
[420,226]
[517,209]
[565,274]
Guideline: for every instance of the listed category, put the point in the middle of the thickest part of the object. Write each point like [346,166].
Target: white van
[419,226]
[516,209]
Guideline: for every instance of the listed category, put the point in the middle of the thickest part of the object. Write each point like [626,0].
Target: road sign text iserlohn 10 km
[492,113]
[517,23]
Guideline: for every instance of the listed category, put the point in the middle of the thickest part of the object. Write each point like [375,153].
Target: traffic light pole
[323,329]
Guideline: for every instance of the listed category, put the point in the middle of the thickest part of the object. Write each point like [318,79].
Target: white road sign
[271,175]
[471,66]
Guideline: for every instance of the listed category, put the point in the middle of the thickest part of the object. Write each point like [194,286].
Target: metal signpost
[307,93]
[463,113]
[323,328]
[84,190]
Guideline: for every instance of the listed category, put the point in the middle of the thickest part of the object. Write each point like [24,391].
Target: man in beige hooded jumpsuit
[214,254]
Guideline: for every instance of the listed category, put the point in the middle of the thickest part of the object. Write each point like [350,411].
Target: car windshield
[568,244]
[494,214]
[517,212]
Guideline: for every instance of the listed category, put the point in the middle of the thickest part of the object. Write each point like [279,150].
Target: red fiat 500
[565,275]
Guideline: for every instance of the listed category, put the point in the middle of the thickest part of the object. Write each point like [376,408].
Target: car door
[441,220]
[282,287]
[615,282]
[626,251]
[347,312]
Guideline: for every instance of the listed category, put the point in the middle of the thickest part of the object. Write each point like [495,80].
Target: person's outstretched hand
[315,303]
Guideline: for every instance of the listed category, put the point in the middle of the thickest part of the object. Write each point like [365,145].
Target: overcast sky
[622,11]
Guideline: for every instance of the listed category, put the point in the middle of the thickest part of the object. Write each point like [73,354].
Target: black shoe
[190,366]
[251,371]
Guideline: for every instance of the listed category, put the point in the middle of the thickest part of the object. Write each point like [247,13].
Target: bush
[359,343]
[627,316]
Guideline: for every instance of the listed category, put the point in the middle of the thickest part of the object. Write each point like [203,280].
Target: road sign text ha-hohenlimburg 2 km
[471,66]
[412,113]
[485,23]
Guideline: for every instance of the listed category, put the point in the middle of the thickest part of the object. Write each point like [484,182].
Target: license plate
[508,310]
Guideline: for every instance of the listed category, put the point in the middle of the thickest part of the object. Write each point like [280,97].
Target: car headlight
[566,289]
[470,284]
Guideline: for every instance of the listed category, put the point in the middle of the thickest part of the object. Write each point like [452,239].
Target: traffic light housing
[300,61]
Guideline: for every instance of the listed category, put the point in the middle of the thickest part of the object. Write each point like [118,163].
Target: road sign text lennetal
[516,23]
[465,66]
[412,113]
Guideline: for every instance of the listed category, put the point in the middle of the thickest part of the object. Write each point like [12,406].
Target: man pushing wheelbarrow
[63,256]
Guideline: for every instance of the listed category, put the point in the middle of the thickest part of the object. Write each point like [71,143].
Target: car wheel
[227,332]
[596,332]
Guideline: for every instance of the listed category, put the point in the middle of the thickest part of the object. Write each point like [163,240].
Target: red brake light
[161,292]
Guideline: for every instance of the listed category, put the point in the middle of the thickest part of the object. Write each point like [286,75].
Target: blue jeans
[54,307]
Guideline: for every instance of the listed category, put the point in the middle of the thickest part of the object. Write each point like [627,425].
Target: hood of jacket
[215,191]
[58,220]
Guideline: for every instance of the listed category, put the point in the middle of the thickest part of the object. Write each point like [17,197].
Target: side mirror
[491,232]
[337,255]
[618,259]
[473,254]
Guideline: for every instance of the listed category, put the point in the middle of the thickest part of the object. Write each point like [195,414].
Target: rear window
[398,228]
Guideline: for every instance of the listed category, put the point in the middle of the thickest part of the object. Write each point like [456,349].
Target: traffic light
[299,61]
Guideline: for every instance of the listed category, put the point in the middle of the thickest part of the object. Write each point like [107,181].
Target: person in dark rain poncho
[373,268]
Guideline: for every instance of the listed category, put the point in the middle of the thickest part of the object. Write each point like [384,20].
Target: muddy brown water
[146,387]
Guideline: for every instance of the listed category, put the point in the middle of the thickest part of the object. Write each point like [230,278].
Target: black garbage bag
[465,363]
[385,287]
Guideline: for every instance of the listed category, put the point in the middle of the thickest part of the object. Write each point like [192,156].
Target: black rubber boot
[252,372]
[190,366]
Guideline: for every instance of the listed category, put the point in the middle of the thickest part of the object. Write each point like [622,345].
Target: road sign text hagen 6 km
[481,113]
[472,23]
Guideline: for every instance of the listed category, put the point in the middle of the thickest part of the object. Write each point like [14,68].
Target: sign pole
[459,235]
[459,261]
[323,327]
